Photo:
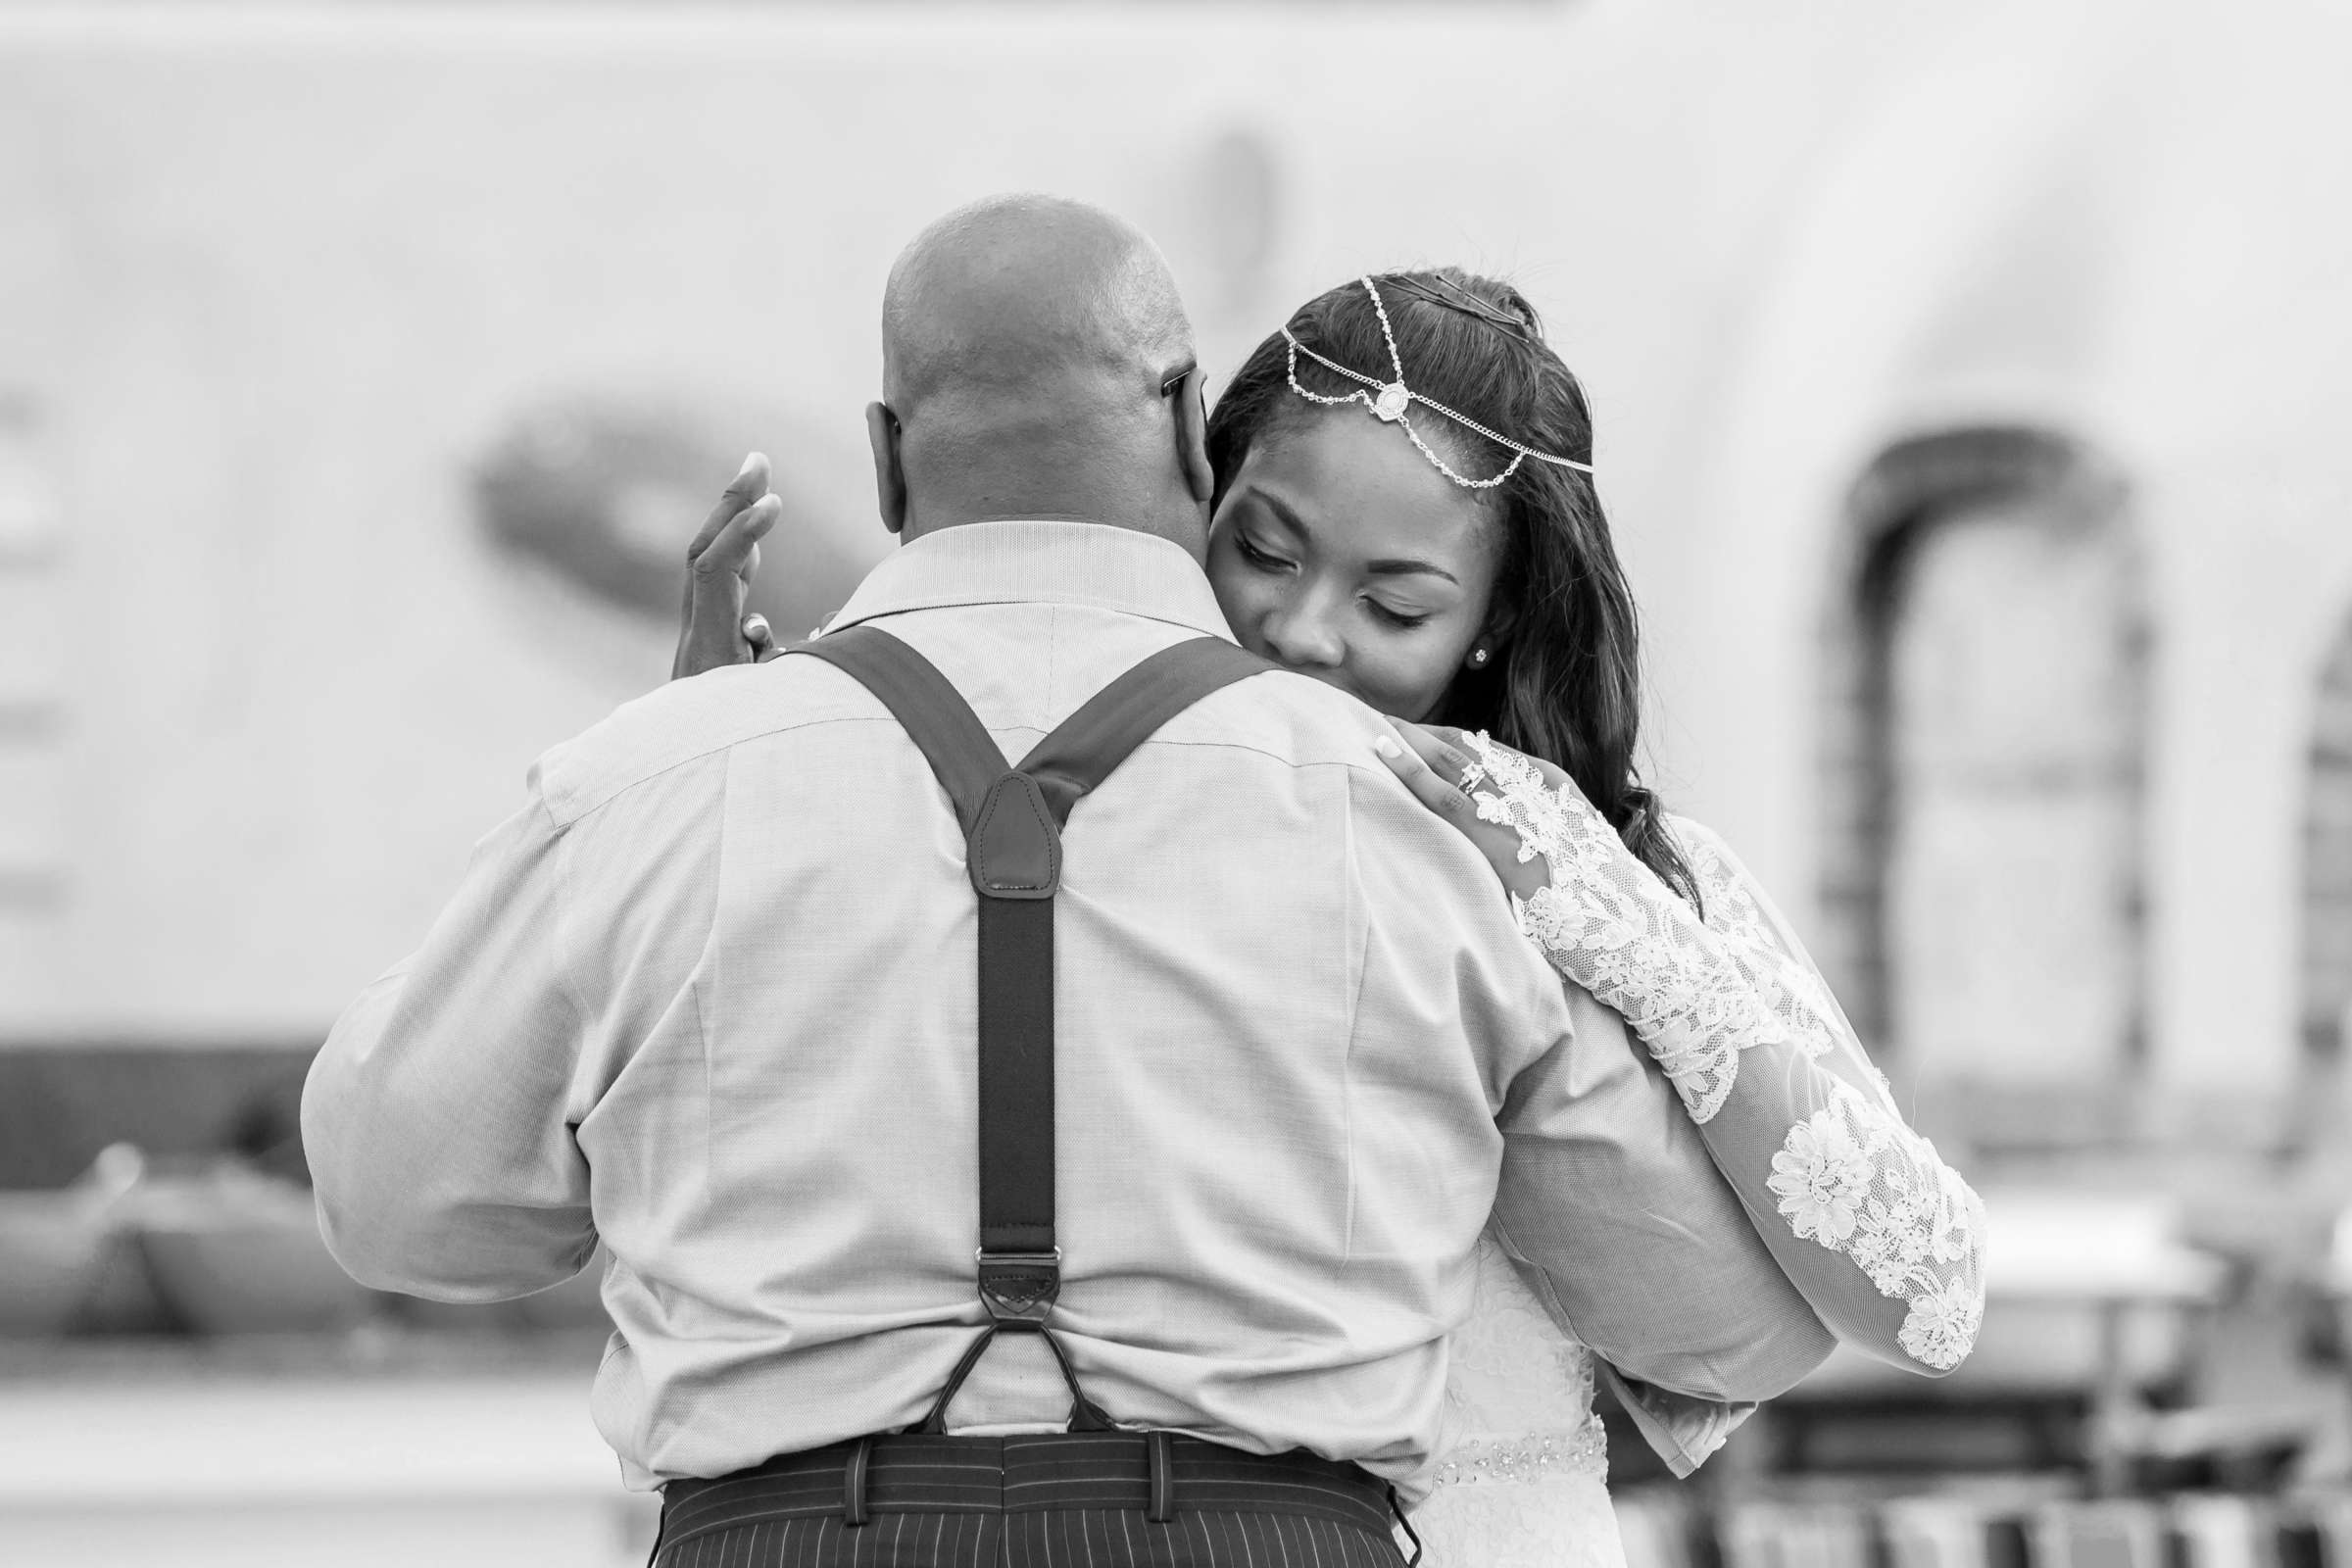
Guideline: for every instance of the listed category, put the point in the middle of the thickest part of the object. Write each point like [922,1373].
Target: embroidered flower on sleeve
[1859,1182]
[1821,1177]
[1942,1326]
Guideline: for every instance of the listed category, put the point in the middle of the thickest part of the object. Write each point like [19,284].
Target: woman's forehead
[1361,488]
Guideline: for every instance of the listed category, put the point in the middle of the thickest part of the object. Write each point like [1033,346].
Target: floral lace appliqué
[1789,989]
[1861,1184]
[1606,930]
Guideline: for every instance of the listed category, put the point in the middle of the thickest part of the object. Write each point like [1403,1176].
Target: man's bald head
[1037,294]
[1026,341]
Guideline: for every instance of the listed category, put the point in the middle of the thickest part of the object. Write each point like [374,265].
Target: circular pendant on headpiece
[1390,402]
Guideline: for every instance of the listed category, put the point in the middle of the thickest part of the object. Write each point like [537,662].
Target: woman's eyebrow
[1284,512]
[1410,568]
[1392,566]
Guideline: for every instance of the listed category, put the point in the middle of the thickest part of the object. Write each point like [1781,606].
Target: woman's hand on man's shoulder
[1443,767]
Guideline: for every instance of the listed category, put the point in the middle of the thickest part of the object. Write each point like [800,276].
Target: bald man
[1037,363]
[1034,1068]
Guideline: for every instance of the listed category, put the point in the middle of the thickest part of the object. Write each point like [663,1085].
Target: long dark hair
[1565,682]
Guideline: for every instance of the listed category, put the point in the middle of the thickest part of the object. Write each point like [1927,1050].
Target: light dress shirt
[709,995]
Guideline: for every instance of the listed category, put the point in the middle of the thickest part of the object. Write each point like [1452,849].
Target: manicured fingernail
[1386,747]
[749,461]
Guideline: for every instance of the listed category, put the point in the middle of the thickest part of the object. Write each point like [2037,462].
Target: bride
[1405,508]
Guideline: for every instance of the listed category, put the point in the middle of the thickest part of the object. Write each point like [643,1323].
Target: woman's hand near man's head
[713,630]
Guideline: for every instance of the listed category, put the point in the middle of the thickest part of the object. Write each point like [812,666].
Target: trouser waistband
[1152,1472]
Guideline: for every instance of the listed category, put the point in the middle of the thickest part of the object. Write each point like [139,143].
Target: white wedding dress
[1522,1473]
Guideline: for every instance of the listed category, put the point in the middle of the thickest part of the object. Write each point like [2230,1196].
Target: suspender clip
[1019,1288]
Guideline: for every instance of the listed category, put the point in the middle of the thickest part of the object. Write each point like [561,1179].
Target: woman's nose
[1303,640]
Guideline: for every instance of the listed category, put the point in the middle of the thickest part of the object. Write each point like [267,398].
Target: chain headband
[1391,401]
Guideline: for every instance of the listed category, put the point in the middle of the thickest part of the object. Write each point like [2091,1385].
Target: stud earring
[1478,658]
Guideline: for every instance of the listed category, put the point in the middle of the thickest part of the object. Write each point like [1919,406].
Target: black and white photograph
[1175,784]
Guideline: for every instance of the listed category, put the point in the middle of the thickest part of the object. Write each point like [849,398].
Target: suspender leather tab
[1016,848]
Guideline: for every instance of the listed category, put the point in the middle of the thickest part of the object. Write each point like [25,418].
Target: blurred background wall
[290,297]
[1971,383]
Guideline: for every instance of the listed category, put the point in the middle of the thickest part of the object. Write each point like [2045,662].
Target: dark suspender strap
[1013,819]
[1016,866]
[1081,753]
[1018,1259]
[935,716]
[1015,855]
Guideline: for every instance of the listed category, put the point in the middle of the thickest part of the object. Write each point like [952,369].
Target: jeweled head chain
[1392,403]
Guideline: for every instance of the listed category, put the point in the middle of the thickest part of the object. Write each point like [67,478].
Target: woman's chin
[1337,682]
[1412,712]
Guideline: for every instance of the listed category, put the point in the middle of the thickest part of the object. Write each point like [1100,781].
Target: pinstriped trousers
[1055,1500]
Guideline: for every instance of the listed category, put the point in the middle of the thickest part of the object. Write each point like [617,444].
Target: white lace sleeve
[1891,1239]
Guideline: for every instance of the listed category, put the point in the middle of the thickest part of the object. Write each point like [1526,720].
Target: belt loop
[1397,1508]
[853,1483]
[1159,1447]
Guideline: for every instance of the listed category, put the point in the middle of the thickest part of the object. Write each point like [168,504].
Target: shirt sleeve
[1606,1197]
[1640,1248]
[436,1117]
[1884,1239]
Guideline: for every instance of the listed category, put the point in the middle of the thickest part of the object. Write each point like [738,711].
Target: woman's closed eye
[1403,620]
[1263,561]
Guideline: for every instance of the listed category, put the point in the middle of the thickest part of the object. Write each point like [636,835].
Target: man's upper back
[1288,1003]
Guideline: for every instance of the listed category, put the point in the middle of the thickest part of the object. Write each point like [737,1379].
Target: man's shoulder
[1291,717]
[1297,722]
[688,720]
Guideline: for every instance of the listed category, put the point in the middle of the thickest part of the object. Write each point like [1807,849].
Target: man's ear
[1190,402]
[890,474]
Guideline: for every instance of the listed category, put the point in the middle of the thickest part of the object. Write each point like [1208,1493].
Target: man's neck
[1188,532]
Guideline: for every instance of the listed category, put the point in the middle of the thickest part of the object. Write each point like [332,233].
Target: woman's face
[1339,552]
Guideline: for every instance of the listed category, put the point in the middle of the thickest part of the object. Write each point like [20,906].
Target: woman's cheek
[1388,686]
[1231,592]
[1420,685]
[1244,606]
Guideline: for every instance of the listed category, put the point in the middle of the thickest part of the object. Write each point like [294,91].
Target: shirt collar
[1038,562]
